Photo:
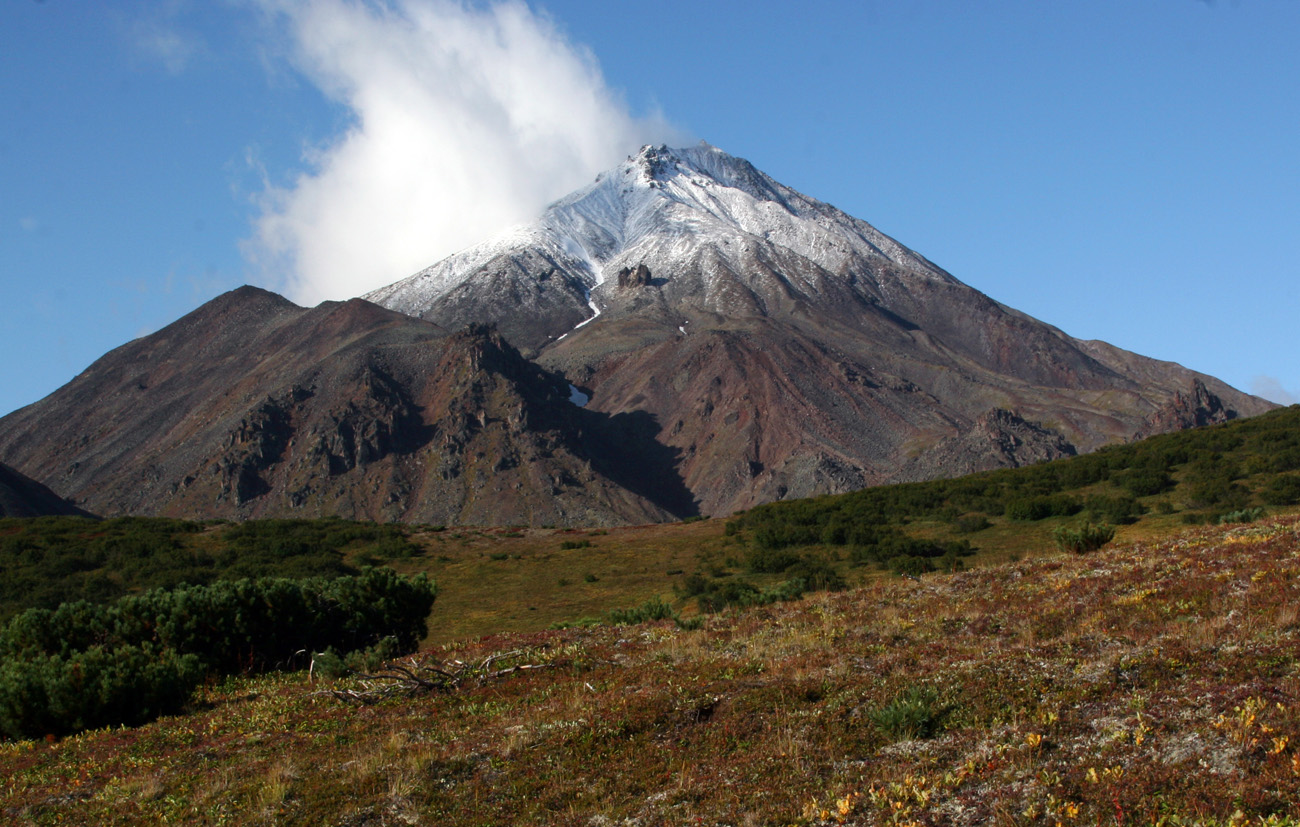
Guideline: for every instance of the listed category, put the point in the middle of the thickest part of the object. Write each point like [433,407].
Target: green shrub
[912,714]
[771,561]
[1218,491]
[331,664]
[718,596]
[1084,538]
[54,694]
[1282,490]
[1145,482]
[897,545]
[816,575]
[52,560]
[910,565]
[715,596]
[652,609]
[1245,515]
[1040,508]
[971,523]
[88,665]
[1115,510]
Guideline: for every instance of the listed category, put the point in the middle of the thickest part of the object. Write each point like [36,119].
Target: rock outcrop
[629,278]
[1194,409]
[997,439]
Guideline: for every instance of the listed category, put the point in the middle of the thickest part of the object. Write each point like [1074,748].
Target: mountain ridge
[254,407]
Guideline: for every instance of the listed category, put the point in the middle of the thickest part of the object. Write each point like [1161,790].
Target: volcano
[684,336]
[786,348]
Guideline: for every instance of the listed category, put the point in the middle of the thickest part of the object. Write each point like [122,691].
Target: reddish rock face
[253,407]
[1194,409]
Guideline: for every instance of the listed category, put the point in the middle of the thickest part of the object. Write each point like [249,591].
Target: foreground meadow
[1146,683]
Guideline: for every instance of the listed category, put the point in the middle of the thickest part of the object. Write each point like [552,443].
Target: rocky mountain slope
[786,348]
[252,406]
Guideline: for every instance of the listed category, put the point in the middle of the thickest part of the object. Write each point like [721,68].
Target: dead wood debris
[417,676]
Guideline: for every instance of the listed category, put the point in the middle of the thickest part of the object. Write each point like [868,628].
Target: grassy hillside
[1147,683]
[524,580]
[498,579]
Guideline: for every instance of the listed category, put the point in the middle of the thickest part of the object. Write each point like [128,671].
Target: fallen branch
[417,676]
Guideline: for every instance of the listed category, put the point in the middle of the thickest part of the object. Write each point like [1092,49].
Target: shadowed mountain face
[738,343]
[24,497]
[254,407]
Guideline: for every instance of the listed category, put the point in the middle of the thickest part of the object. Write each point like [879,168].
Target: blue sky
[1127,171]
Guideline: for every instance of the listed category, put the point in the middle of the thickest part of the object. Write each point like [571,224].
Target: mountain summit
[785,347]
[707,230]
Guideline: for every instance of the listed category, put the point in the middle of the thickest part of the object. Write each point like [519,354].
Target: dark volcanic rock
[629,278]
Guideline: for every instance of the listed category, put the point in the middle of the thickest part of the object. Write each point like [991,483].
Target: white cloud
[466,119]
[1272,390]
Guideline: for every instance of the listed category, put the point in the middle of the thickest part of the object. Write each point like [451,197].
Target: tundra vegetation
[1012,677]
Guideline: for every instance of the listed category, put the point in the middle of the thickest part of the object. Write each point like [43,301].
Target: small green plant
[1084,538]
[914,713]
[652,609]
[331,664]
[1244,515]
[569,545]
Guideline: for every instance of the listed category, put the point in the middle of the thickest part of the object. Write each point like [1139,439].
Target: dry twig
[416,676]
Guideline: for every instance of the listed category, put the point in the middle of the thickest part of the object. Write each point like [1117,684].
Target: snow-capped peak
[662,207]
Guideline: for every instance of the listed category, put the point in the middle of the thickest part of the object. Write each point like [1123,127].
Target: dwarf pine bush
[87,665]
[1083,538]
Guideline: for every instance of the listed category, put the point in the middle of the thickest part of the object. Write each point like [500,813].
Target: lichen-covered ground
[1142,684]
